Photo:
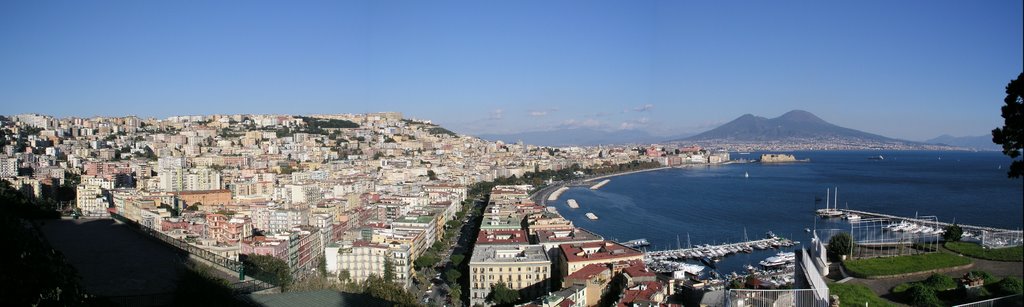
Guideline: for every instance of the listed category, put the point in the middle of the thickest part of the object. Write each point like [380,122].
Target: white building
[362,259]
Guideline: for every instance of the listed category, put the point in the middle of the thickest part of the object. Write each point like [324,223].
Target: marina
[600,184]
[572,204]
[718,251]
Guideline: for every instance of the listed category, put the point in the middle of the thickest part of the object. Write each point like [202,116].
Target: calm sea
[712,204]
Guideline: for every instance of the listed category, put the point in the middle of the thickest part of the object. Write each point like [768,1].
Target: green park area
[853,295]
[887,266]
[943,290]
[974,250]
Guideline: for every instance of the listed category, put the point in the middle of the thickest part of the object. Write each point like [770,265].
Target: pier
[970,228]
[600,184]
[554,196]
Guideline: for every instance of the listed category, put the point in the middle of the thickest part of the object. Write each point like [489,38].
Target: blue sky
[906,69]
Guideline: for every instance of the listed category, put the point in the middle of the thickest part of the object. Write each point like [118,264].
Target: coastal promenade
[545,194]
[624,173]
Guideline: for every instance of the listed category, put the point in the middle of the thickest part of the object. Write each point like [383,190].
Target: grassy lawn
[974,250]
[903,264]
[851,295]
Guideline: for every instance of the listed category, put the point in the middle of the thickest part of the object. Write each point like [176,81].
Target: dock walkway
[971,228]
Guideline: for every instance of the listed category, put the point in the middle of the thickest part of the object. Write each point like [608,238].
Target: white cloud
[633,124]
[541,112]
[644,108]
[497,114]
[586,123]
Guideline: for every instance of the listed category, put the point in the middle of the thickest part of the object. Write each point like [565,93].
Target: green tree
[425,261]
[389,270]
[456,296]
[457,259]
[502,295]
[453,276]
[953,233]
[1011,135]
[840,245]
[322,268]
[344,276]
[269,269]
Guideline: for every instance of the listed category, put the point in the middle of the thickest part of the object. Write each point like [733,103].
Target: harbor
[721,250]
[696,267]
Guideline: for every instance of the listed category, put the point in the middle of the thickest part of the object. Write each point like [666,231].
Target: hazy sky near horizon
[905,69]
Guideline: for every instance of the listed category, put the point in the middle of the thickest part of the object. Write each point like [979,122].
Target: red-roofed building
[594,277]
[636,272]
[505,237]
[650,293]
[575,256]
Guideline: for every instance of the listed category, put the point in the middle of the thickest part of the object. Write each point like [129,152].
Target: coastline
[625,173]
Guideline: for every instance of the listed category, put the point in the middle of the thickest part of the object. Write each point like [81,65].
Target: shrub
[1010,285]
[901,288]
[940,282]
[921,295]
[840,244]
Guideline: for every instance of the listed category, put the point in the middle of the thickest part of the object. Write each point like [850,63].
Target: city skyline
[910,70]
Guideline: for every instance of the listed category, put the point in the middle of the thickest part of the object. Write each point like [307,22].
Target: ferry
[573,204]
[590,215]
[879,157]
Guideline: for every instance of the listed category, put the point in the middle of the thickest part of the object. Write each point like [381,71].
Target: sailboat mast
[828,197]
[836,202]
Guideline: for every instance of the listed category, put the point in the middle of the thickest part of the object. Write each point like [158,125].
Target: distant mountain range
[579,137]
[794,125]
[981,142]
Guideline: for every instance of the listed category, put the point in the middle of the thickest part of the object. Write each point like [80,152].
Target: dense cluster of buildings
[353,189]
[551,262]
